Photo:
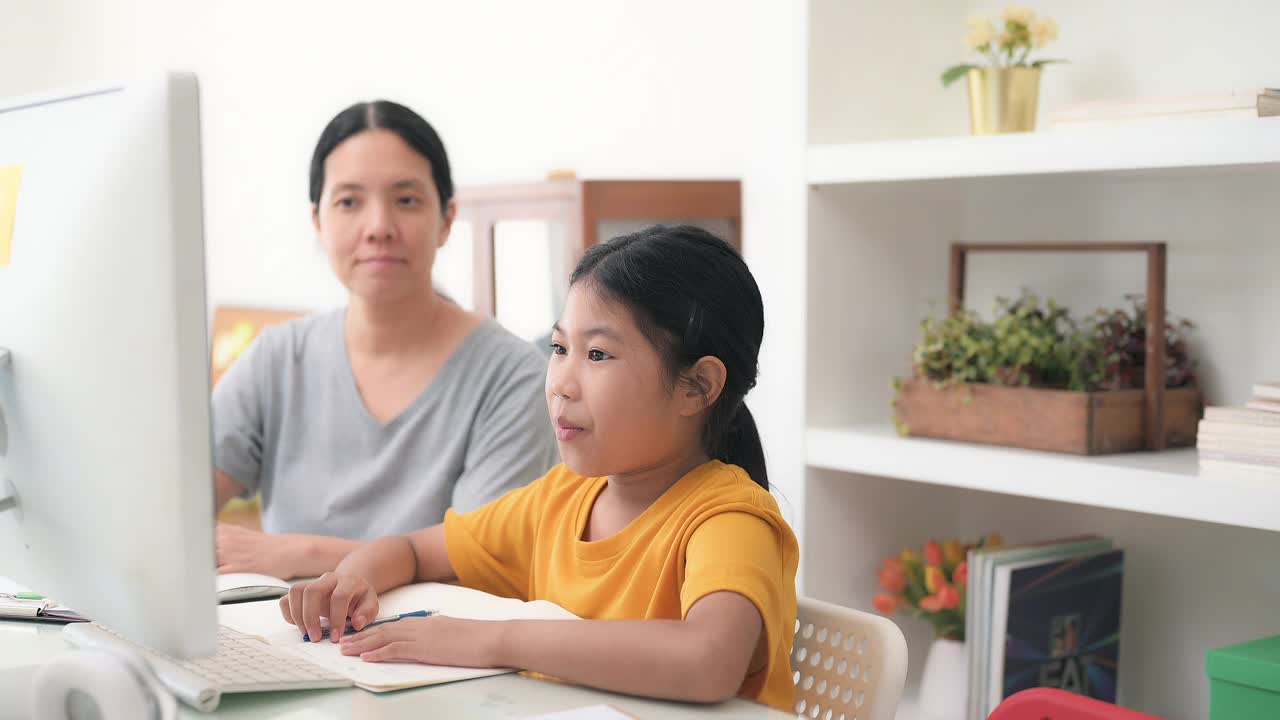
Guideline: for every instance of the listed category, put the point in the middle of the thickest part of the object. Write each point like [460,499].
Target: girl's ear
[703,383]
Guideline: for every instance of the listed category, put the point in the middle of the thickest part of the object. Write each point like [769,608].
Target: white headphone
[102,684]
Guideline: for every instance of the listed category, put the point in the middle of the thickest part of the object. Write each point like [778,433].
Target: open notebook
[263,619]
[17,602]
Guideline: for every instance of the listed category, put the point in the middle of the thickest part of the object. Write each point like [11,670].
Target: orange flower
[893,577]
[948,597]
[932,603]
[934,578]
[933,553]
[961,574]
[887,604]
[909,556]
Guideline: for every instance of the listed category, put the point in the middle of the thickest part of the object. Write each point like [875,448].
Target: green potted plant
[1034,376]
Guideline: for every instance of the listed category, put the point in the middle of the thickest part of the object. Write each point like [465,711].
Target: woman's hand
[436,640]
[335,596]
[241,550]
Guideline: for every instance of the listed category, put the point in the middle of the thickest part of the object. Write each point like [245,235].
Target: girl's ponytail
[740,445]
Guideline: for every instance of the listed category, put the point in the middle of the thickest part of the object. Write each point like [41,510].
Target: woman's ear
[703,383]
[315,219]
[450,212]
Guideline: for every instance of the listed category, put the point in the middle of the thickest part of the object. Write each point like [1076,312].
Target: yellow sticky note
[9,177]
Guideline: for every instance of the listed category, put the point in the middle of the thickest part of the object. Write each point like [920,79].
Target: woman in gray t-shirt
[373,419]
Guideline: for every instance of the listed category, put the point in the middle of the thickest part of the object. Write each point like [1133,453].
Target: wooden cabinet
[574,215]
[234,328]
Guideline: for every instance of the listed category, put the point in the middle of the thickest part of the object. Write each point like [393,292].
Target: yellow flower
[934,579]
[1018,14]
[909,555]
[994,541]
[981,32]
[1004,40]
[953,551]
[1043,31]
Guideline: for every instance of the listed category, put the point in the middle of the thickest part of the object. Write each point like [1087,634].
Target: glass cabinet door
[530,275]
[454,269]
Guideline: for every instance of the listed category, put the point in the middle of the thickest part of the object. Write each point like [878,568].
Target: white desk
[25,646]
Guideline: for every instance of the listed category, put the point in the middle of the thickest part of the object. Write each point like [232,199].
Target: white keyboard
[243,663]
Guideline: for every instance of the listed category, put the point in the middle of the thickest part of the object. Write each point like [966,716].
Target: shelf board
[1166,483]
[1161,146]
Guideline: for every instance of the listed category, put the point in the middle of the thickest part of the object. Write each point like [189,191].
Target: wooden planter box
[1085,423]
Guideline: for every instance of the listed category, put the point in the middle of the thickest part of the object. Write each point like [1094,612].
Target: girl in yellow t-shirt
[658,529]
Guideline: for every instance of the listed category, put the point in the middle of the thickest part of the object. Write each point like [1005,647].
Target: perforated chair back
[847,664]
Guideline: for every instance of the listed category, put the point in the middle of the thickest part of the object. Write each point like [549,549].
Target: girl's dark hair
[692,296]
[385,115]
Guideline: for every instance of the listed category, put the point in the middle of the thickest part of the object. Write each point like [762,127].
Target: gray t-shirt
[289,421]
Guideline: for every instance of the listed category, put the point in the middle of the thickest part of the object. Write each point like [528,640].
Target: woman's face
[379,217]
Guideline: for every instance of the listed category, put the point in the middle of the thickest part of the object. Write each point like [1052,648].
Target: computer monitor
[106,480]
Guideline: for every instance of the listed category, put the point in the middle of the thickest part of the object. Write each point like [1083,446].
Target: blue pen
[324,631]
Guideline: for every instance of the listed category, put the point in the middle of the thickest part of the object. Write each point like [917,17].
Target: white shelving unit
[1175,147]
[881,217]
[1167,484]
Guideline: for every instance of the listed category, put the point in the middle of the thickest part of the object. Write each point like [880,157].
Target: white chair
[846,664]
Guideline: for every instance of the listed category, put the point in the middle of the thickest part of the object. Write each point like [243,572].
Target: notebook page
[263,619]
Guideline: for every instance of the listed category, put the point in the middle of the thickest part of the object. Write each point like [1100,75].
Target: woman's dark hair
[385,115]
[692,296]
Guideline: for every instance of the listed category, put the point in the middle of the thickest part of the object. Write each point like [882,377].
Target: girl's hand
[436,640]
[241,550]
[335,596]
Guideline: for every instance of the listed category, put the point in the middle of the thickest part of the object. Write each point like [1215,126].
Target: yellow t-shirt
[714,530]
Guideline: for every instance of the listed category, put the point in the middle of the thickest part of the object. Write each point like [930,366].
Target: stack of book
[1259,102]
[1243,440]
[1043,615]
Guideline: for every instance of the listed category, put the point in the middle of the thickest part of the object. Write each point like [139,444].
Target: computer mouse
[234,587]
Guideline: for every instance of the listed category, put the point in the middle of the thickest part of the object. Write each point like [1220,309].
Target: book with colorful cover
[1062,626]
[980,634]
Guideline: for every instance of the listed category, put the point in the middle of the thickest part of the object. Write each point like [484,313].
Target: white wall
[611,89]
[875,65]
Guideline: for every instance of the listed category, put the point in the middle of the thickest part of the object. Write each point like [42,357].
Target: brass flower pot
[1003,99]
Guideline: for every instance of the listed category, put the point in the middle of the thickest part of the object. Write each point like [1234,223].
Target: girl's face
[379,217]
[614,409]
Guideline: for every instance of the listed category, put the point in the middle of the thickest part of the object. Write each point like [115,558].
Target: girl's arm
[704,658]
[390,562]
